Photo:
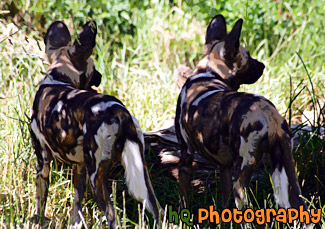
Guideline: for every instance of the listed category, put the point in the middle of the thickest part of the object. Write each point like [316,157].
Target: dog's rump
[235,115]
[70,119]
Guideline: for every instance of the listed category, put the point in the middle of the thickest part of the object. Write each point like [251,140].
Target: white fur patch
[241,201]
[183,132]
[280,182]
[201,97]
[250,145]
[74,93]
[134,173]
[58,107]
[245,148]
[205,74]
[138,128]
[92,177]
[50,81]
[84,128]
[244,56]
[79,154]
[222,51]
[105,139]
[90,67]
[258,96]
[43,142]
[102,106]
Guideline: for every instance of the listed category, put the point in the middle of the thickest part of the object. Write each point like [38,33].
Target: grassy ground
[139,45]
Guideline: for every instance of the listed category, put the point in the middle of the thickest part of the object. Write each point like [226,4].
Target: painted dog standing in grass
[232,129]
[77,125]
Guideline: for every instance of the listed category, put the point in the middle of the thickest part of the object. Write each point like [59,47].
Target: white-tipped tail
[134,173]
[281,185]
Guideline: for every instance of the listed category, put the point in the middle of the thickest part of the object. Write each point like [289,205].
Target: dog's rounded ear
[57,36]
[217,29]
[232,40]
[83,46]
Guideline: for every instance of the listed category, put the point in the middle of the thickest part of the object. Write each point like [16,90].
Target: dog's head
[225,56]
[72,63]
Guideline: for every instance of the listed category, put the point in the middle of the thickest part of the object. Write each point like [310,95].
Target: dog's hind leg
[44,158]
[185,175]
[42,181]
[250,154]
[226,181]
[102,191]
[79,182]
[242,178]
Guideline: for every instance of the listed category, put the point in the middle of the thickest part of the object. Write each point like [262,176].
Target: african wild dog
[77,125]
[232,129]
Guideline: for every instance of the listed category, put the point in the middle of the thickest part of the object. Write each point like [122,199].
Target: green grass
[139,45]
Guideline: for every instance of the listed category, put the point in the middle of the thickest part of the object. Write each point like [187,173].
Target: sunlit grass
[139,72]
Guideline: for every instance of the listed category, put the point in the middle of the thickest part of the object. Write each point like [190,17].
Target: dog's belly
[212,147]
[224,155]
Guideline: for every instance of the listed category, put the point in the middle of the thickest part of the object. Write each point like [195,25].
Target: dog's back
[64,115]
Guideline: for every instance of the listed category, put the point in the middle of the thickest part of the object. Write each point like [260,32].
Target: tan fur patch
[263,109]
[203,63]
[61,62]
[215,61]
[232,107]
[90,67]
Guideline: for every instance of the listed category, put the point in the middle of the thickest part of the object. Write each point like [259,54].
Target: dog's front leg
[79,182]
[185,176]
[42,184]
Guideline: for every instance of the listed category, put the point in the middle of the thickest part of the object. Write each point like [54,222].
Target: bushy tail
[287,189]
[289,165]
[136,172]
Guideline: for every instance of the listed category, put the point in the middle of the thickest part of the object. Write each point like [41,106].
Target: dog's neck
[52,78]
[226,82]
[50,81]
[222,73]
[62,69]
